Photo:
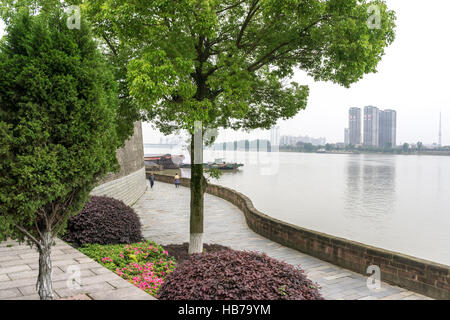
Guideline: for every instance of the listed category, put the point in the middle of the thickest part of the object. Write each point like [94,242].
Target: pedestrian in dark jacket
[152,180]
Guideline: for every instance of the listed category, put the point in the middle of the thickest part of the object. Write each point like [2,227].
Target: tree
[388,146]
[127,112]
[419,146]
[405,147]
[308,147]
[58,129]
[227,63]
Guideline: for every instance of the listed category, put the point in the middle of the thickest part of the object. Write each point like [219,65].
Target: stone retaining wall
[127,189]
[129,184]
[422,276]
[130,156]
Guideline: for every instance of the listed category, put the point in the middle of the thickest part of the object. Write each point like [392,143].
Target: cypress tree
[58,130]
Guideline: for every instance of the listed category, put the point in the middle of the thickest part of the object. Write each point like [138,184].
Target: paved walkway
[164,212]
[19,271]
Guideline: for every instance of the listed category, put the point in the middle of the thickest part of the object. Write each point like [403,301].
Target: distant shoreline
[414,153]
[431,153]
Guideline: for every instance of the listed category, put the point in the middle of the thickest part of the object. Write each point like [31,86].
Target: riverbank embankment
[422,276]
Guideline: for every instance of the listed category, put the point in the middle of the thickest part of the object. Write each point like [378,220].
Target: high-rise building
[346,137]
[387,129]
[440,129]
[275,136]
[371,126]
[354,126]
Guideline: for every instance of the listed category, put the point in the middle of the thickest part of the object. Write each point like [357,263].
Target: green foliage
[419,146]
[10,8]
[213,173]
[405,147]
[145,264]
[117,56]
[57,123]
[282,290]
[225,62]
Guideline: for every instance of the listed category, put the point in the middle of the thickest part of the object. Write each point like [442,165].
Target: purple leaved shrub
[237,275]
[104,220]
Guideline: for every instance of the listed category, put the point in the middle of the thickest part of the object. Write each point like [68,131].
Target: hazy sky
[412,78]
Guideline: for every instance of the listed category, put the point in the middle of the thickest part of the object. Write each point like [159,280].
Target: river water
[396,202]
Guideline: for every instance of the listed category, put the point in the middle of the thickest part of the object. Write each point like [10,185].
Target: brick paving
[164,212]
[19,271]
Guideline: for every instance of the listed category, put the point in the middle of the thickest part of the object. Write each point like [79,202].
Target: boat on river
[166,161]
[219,163]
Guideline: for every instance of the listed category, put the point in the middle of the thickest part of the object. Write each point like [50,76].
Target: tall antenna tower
[440,129]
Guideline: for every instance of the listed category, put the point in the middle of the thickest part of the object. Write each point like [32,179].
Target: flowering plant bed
[144,264]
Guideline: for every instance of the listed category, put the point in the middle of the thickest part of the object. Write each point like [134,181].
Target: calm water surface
[400,203]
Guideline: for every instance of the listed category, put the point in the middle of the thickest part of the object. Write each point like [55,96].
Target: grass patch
[144,264]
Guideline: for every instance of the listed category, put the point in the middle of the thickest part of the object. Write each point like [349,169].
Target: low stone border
[422,276]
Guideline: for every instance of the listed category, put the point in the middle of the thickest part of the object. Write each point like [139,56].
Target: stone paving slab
[164,213]
[19,270]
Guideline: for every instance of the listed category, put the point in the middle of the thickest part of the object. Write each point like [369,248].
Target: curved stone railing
[422,276]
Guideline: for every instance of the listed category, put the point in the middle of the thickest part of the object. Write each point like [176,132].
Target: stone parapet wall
[127,189]
[130,156]
[129,184]
[422,276]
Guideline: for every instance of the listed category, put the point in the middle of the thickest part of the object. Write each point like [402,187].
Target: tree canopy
[128,112]
[227,63]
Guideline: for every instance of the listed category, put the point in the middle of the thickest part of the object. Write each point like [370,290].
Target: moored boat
[217,164]
[167,161]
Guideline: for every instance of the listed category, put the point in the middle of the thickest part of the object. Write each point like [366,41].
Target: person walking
[152,180]
[177,180]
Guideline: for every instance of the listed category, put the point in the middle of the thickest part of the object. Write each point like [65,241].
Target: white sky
[412,78]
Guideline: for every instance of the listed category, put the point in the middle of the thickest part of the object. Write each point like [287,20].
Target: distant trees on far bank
[264,145]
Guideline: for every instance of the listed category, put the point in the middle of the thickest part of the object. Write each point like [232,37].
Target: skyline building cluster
[292,141]
[379,130]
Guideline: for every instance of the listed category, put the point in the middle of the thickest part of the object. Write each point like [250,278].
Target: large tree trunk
[44,282]
[197,191]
